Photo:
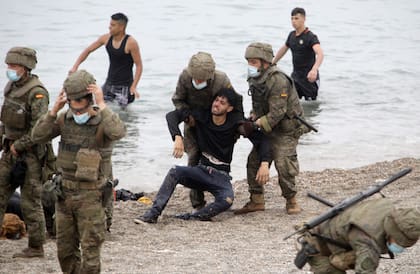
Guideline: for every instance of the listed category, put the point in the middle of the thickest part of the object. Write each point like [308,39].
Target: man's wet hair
[229,94]
[296,11]
[121,17]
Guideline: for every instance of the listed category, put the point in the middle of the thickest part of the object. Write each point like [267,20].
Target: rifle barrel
[303,121]
[320,199]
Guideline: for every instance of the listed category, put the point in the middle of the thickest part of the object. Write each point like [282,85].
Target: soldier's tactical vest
[202,99]
[368,216]
[260,90]
[16,112]
[75,138]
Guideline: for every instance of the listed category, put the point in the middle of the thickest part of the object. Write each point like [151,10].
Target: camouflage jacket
[367,216]
[187,97]
[24,103]
[98,133]
[275,101]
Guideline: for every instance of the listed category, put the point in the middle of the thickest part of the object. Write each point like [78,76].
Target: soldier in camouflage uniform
[275,103]
[196,88]
[370,229]
[25,100]
[84,159]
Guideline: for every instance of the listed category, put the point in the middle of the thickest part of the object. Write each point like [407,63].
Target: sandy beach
[251,243]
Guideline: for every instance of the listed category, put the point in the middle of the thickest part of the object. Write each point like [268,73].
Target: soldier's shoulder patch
[283,93]
[39,96]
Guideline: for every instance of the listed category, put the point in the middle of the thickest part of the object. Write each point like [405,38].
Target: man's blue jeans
[201,178]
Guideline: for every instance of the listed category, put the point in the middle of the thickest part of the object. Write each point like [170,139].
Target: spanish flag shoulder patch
[283,93]
[39,96]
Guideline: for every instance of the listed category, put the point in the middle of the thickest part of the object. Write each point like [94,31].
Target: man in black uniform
[307,56]
[217,131]
[123,52]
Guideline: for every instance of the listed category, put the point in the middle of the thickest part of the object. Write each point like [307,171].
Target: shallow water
[367,107]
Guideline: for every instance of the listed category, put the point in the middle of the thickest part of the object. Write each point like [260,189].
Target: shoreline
[231,243]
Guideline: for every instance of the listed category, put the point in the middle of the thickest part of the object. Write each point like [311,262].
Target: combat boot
[292,206]
[256,203]
[30,252]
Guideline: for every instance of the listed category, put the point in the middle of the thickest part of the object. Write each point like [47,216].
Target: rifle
[340,207]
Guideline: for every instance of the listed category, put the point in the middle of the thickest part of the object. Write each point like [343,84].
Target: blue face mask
[253,72]
[81,118]
[199,86]
[394,248]
[12,75]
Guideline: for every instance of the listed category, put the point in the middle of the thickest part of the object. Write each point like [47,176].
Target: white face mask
[81,118]
[253,72]
[13,75]
[199,86]
[394,248]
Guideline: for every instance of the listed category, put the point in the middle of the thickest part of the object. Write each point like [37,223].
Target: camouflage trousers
[191,148]
[30,195]
[109,212]
[286,163]
[80,220]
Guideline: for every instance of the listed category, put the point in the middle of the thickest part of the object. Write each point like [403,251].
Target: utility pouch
[343,261]
[14,114]
[52,191]
[107,192]
[18,173]
[87,162]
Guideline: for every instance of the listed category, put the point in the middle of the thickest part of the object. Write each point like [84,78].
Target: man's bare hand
[13,150]
[98,94]
[312,74]
[178,147]
[263,174]
[59,103]
[133,91]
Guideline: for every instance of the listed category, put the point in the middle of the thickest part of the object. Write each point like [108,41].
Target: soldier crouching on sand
[356,238]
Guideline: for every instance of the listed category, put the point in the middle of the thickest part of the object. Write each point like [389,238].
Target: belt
[70,147]
[213,159]
[76,185]
[212,169]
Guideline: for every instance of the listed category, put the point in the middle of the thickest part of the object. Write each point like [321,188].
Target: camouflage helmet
[21,56]
[403,225]
[201,66]
[76,84]
[258,50]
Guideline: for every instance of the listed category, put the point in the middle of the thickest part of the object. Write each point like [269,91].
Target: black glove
[247,127]
[18,173]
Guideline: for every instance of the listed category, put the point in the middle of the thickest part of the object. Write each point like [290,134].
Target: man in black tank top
[307,56]
[123,52]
